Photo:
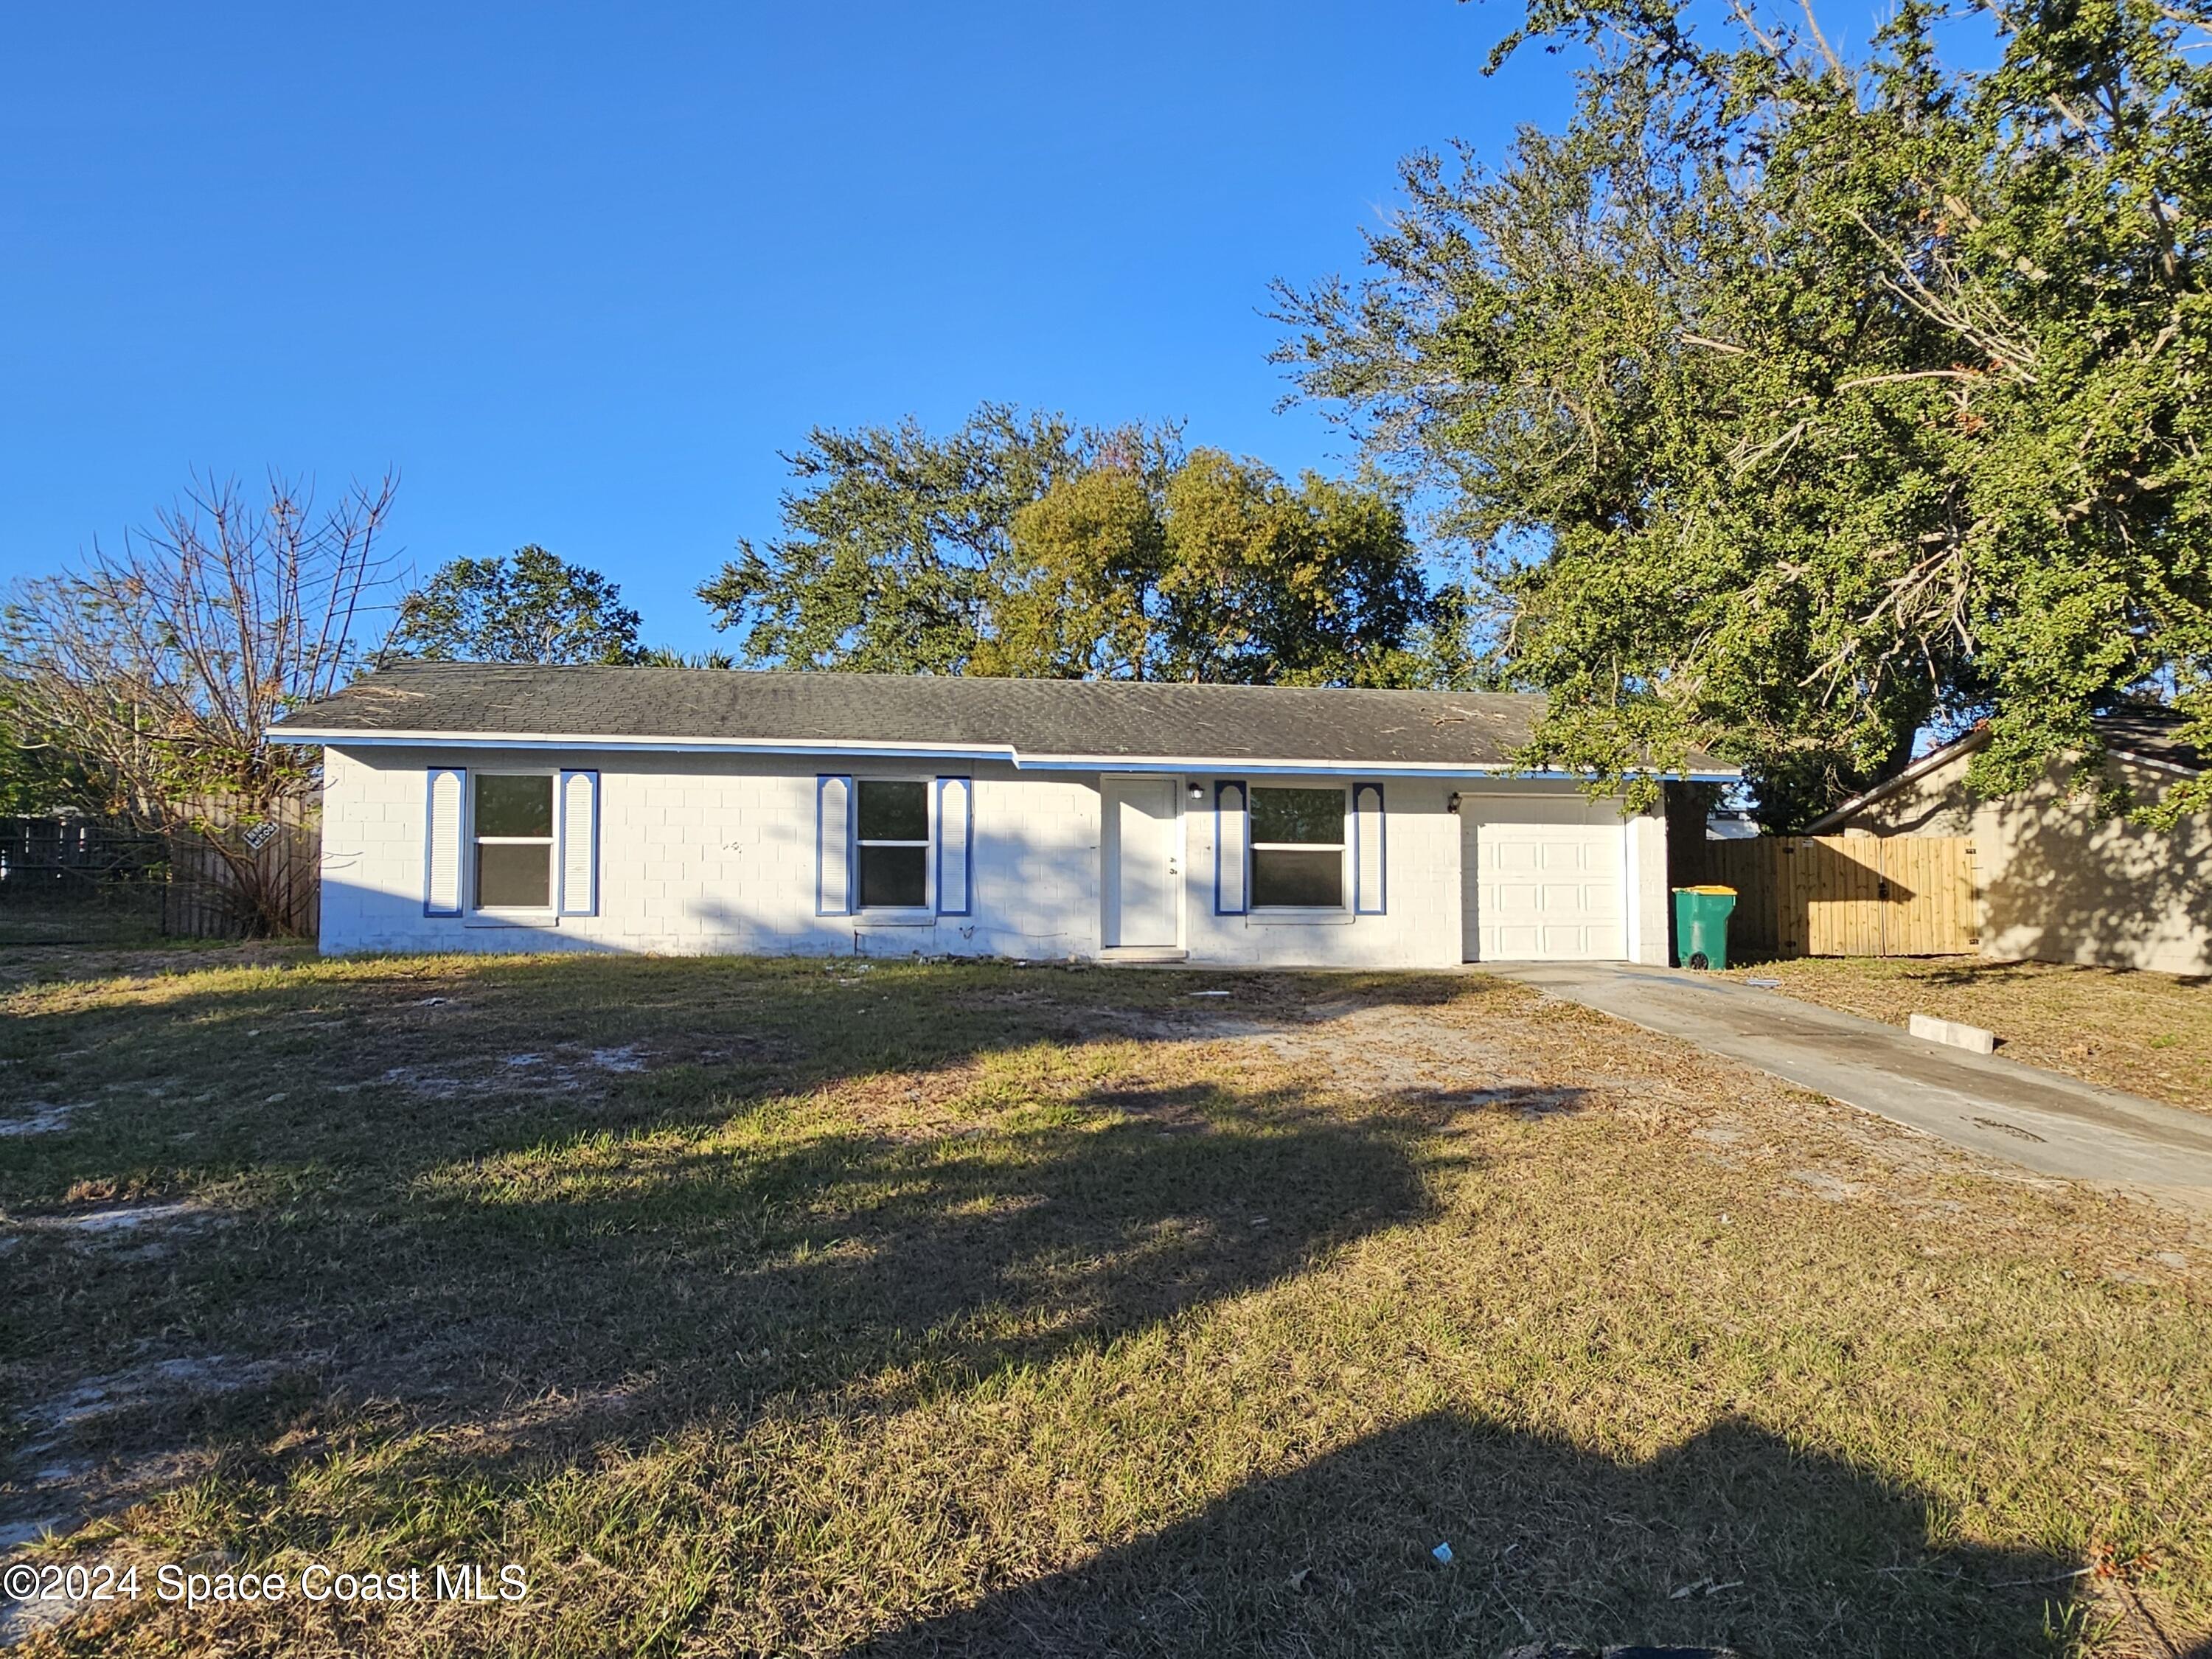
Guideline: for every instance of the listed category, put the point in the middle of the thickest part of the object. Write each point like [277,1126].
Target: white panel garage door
[1547,878]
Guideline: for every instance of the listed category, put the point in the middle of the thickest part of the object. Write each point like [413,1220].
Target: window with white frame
[1297,849]
[512,822]
[893,816]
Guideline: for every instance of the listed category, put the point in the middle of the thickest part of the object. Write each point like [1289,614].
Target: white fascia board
[345,739]
[2136,758]
[1227,765]
[1242,766]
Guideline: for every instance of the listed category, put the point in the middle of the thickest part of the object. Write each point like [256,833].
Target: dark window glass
[894,877]
[512,876]
[1300,879]
[1310,816]
[894,811]
[507,805]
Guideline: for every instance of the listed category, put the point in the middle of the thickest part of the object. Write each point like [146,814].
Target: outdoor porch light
[1198,792]
[1451,803]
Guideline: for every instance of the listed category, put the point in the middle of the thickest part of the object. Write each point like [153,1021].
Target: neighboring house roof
[2146,732]
[1046,724]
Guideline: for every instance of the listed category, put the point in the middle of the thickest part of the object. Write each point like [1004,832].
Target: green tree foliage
[533,606]
[898,540]
[1075,596]
[1021,545]
[1801,403]
[39,772]
[1217,571]
[667,656]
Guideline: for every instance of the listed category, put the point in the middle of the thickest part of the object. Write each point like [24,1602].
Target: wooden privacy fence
[221,873]
[234,880]
[75,859]
[1847,896]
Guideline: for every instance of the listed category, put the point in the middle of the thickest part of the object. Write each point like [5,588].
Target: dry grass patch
[2149,1034]
[1036,1312]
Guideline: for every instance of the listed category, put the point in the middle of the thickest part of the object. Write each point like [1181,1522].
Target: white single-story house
[493,807]
[2053,881]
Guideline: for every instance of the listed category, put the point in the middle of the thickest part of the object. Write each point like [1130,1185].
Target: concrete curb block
[1972,1038]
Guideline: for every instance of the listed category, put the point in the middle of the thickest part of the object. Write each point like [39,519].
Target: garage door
[1546,884]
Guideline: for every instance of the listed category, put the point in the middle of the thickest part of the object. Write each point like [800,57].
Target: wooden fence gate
[1848,895]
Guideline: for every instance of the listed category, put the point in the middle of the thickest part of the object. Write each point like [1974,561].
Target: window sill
[539,920]
[1331,917]
[896,919]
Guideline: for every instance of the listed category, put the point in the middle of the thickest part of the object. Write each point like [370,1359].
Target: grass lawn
[795,1308]
[2149,1034]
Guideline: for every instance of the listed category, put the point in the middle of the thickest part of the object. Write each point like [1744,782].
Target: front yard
[2149,1033]
[784,1307]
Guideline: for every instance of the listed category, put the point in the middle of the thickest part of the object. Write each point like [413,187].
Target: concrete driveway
[2051,1124]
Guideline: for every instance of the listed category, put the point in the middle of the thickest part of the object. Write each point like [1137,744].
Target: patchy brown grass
[801,1308]
[2149,1034]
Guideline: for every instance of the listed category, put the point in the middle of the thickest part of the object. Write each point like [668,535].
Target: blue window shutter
[579,844]
[1370,836]
[955,842]
[1231,848]
[833,846]
[445,798]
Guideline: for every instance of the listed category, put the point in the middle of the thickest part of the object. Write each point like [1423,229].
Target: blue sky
[579,273]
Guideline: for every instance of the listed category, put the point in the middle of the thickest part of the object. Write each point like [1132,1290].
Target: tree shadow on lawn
[404,1064]
[1732,1538]
[557,1273]
[727,1277]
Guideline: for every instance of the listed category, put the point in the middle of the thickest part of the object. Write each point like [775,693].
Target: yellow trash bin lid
[1730,891]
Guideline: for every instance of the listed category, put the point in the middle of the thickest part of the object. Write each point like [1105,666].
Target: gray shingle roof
[2149,730]
[1036,721]
[2140,731]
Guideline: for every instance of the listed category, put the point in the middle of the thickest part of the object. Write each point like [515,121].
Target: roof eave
[852,749]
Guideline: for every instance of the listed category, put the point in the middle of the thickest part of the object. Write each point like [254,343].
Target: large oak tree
[1801,403]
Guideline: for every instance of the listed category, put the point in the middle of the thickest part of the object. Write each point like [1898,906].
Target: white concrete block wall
[1421,927]
[696,857]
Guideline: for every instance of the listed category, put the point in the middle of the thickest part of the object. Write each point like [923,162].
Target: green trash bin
[1701,916]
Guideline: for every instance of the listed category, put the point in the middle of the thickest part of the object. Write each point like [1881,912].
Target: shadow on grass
[403,1213]
[837,1255]
[1733,1538]
[556,1273]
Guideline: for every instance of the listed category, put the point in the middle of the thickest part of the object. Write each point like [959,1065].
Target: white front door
[1541,880]
[1143,876]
